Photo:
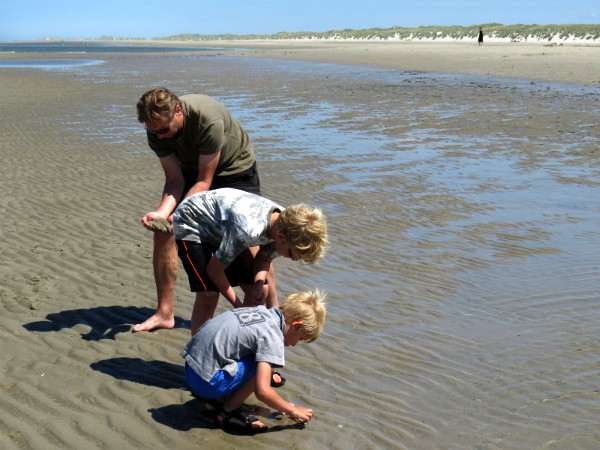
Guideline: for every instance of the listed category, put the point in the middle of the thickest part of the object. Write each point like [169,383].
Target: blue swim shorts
[222,383]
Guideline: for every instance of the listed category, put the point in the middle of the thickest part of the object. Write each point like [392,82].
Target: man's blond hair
[157,105]
[306,307]
[305,231]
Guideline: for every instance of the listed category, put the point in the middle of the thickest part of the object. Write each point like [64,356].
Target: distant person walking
[480,38]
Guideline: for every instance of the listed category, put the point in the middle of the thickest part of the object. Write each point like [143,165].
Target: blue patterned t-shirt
[230,219]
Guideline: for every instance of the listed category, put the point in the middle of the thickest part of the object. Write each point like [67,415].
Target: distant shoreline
[568,63]
[531,60]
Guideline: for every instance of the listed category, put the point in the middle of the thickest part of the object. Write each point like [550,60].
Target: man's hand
[151,216]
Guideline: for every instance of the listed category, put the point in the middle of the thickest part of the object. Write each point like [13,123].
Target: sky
[73,19]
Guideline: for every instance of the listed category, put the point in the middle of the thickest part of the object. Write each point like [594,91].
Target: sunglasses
[164,130]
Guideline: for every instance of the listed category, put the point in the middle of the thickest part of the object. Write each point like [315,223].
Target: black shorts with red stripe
[195,256]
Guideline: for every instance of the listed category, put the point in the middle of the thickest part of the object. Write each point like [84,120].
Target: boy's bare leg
[165,263]
[204,309]
[249,301]
[271,295]
[249,294]
[272,289]
[237,398]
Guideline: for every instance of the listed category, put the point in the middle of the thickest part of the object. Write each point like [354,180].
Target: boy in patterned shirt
[213,228]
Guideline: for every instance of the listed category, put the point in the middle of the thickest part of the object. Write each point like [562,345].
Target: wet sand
[568,63]
[462,275]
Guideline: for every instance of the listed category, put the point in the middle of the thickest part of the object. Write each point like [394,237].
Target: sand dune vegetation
[579,32]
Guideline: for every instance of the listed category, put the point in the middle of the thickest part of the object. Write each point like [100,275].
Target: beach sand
[443,332]
[569,63]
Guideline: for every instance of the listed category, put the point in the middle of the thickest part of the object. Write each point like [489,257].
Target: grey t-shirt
[231,219]
[232,335]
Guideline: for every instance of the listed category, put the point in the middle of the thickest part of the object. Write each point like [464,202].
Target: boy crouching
[232,356]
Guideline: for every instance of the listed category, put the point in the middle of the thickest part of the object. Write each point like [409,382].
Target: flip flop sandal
[238,421]
[276,384]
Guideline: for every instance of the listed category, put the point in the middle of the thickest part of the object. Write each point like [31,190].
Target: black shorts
[195,256]
[248,180]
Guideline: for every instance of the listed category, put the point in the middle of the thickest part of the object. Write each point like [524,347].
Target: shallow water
[62,47]
[48,64]
[464,271]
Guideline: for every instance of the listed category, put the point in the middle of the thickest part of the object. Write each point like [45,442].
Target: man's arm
[207,167]
[172,191]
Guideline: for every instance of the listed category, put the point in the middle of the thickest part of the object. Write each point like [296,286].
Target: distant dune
[575,33]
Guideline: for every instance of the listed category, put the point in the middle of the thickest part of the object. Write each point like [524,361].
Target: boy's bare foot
[154,323]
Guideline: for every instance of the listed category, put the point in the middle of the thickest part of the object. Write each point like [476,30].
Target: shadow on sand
[181,417]
[105,321]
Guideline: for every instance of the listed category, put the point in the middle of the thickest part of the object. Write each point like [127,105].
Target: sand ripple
[462,275]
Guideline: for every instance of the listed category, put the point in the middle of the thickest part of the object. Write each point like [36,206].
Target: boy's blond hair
[305,230]
[307,307]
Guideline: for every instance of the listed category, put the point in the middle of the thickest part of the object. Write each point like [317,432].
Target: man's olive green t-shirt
[207,128]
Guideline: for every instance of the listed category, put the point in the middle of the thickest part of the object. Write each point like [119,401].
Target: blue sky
[36,19]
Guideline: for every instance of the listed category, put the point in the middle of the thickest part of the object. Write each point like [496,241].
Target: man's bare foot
[155,322]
